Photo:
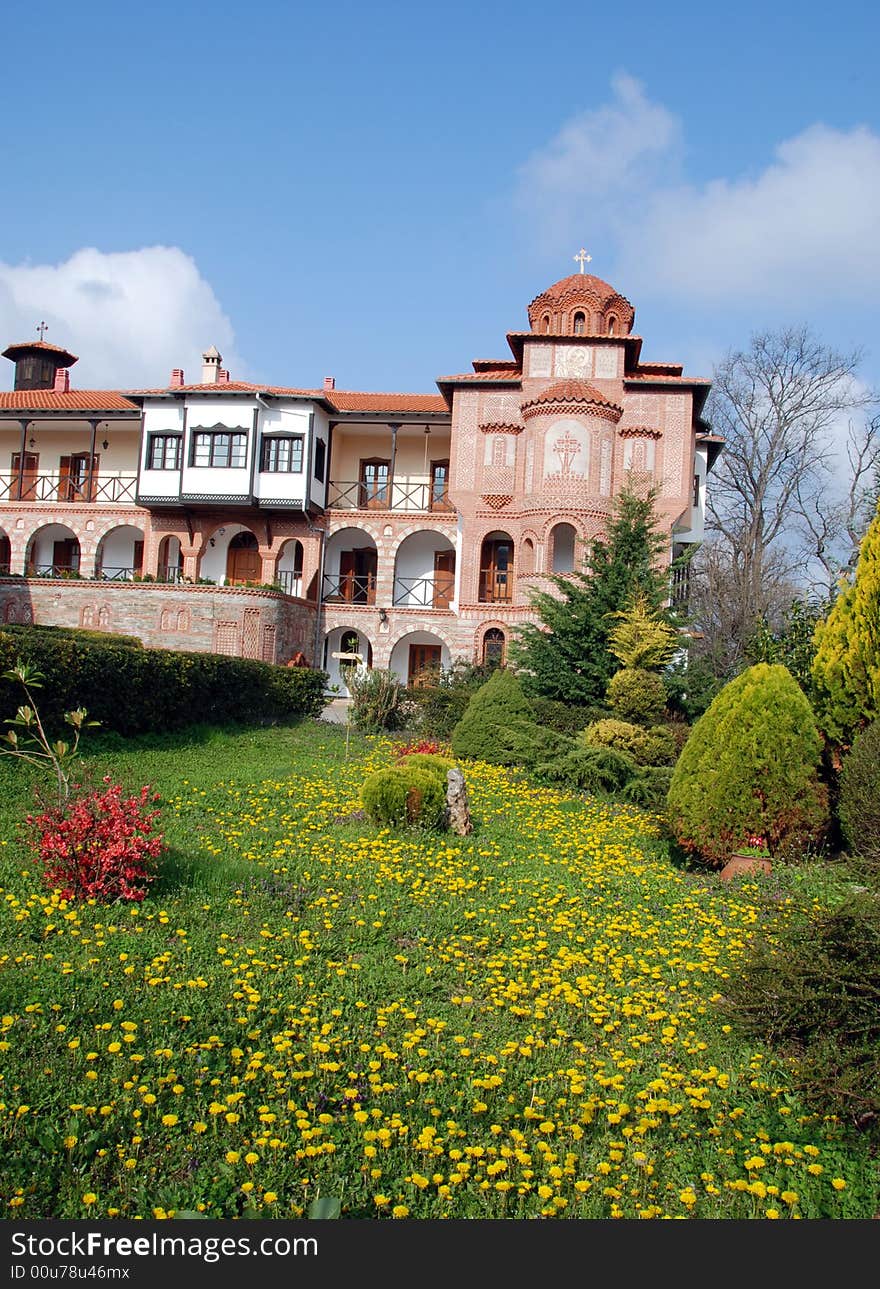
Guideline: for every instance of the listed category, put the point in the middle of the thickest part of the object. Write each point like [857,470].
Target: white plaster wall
[333,644]
[399,661]
[213,562]
[348,539]
[284,485]
[117,548]
[43,546]
[415,560]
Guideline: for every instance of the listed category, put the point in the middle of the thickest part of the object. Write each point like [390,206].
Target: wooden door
[346,575]
[444,579]
[27,491]
[73,477]
[138,562]
[65,554]
[496,573]
[243,563]
[424,664]
[440,486]
[375,489]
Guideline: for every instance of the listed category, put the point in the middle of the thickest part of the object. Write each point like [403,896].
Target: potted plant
[753,857]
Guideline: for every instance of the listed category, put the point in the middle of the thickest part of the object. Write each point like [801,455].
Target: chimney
[62,381]
[329,383]
[223,376]
[211,361]
[176,378]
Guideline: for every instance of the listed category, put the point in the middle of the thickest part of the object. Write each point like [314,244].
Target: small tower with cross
[36,361]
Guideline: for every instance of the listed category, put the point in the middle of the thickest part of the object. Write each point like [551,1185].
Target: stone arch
[418,652]
[424,570]
[496,568]
[214,559]
[339,639]
[562,547]
[351,565]
[5,553]
[289,566]
[53,550]
[119,554]
[170,565]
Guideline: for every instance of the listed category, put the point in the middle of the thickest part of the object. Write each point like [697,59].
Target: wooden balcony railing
[399,494]
[351,588]
[424,592]
[109,489]
[496,587]
[289,581]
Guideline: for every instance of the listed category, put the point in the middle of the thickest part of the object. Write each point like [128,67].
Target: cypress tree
[567,656]
[846,669]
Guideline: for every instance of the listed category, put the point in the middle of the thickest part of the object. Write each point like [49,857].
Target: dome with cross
[581,305]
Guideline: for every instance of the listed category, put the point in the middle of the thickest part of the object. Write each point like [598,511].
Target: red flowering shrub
[424,747]
[100,845]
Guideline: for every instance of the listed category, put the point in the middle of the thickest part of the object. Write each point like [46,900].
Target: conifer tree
[567,656]
[846,669]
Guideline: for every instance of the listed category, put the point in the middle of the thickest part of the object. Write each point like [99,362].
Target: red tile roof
[512,377]
[350,401]
[649,378]
[342,400]
[496,365]
[572,391]
[75,400]
[11,350]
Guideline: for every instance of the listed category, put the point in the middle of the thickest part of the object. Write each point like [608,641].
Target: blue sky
[376,191]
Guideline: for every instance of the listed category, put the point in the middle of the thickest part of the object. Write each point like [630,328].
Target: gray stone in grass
[458,814]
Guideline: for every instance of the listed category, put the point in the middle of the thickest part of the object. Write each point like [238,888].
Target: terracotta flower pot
[739,864]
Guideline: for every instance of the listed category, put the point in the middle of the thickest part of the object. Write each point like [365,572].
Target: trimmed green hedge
[134,690]
[73,633]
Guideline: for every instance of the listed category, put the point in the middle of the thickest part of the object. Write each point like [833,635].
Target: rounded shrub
[652,746]
[751,769]
[498,724]
[859,804]
[431,762]
[638,695]
[404,796]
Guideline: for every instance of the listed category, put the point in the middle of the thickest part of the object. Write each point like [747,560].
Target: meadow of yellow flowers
[521,1023]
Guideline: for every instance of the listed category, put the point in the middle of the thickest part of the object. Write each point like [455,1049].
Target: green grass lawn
[524,1022]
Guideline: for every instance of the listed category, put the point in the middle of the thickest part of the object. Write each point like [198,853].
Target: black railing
[680,586]
[53,570]
[397,494]
[424,592]
[169,573]
[289,581]
[351,588]
[123,573]
[56,487]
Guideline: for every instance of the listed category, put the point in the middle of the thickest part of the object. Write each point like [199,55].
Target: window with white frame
[219,449]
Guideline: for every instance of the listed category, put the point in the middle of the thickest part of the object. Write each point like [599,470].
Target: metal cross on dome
[582,258]
[43,328]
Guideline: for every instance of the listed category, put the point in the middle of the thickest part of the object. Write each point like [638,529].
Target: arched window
[580,324]
[527,563]
[612,325]
[562,558]
[496,569]
[493,648]
[545,324]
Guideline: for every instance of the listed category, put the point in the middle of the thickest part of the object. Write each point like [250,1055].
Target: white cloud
[583,180]
[131,316]
[801,232]
[805,228]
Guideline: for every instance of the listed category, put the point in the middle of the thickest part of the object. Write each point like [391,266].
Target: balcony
[424,592]
[398,495]
[289,581]
[496,586]
[65,490]
[680,586]
[350,588]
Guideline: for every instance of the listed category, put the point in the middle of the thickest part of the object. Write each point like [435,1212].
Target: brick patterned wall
[202,619]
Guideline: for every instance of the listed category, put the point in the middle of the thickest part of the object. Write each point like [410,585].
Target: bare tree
[776,405]
[835,520]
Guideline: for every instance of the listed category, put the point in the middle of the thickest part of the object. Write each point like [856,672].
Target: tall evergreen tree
[567,656]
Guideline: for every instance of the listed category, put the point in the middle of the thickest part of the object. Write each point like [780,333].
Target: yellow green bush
[403,796]
[750,770]
[652,746]
[846,669]
[636,694]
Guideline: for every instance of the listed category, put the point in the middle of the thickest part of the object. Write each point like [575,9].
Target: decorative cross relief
[566,448]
